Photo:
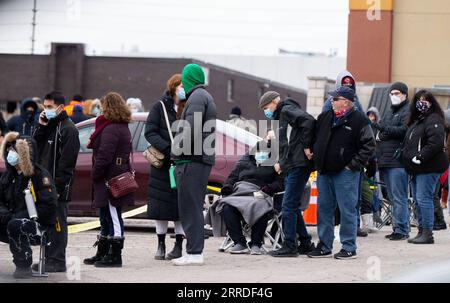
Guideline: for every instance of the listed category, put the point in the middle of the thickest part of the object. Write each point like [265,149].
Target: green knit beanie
[191,76]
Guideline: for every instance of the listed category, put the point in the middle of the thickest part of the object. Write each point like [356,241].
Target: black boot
[161,251]
[102,249]
[114,257]
[418,235]
[177,249]
[361,233]
[425,238]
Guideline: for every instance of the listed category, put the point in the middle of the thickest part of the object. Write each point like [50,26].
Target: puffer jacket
[13,184]
[425,139]
[391,135]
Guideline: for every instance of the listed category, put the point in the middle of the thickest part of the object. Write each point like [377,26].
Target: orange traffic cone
[310,214]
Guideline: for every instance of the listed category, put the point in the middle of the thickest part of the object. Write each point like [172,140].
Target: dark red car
[231,143]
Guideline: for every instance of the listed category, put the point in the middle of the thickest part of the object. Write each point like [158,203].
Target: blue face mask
[13,158]
[268,113]
[181,94]
[50,113]
[261,157]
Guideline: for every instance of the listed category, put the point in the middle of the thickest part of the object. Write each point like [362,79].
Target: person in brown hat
[295,164]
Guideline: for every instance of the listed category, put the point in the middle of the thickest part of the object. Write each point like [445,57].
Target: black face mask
[30,114]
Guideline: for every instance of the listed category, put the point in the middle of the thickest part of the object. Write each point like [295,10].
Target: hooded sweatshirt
[375,111]
[13,183]
[24,124]
[328,104]
[192,76]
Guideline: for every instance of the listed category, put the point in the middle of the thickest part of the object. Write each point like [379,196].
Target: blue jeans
[396,180]
[423,187]
[341,189]
[294,185]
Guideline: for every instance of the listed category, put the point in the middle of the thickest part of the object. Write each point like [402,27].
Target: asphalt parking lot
[379,260]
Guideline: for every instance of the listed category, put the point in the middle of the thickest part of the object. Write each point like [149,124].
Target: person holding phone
[58,146]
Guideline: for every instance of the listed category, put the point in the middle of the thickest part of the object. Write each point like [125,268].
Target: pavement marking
[77,228]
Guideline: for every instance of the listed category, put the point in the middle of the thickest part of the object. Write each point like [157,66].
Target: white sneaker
[188,259]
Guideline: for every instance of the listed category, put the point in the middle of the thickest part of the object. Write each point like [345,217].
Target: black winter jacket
[350,143]
[162,200]
[429,131]
[199,104]
[391,135]
[247,170]
[12,198]
[300,124]
[58,148]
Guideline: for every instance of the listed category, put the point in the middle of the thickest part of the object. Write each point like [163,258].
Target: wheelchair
[274,231]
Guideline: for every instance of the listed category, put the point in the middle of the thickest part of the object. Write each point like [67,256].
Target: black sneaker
[304,249]
[284,251]
[344,255]
[398,237]
[361,233]
[390,235]
[318,252]
[51,267]
[23,273]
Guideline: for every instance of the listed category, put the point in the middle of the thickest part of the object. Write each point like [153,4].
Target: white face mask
[395,100]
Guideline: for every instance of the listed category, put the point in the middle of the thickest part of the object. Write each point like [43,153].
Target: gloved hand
[378,126]
[267,190]
[416,161]
[226,191]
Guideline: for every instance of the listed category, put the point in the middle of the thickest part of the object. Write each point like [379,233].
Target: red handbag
[123,184]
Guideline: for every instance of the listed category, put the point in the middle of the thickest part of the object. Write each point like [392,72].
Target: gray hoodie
[327,105]
[375,111]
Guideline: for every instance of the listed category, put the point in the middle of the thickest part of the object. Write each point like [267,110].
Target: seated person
[248,192]
[22,172]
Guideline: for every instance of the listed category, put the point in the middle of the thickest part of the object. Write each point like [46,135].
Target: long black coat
[162,200]
[111,144]
[429,130]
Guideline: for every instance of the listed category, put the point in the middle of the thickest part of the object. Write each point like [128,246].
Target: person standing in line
[162,199]
[194,156]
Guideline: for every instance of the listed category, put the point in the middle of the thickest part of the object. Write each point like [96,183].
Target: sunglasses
[338,99]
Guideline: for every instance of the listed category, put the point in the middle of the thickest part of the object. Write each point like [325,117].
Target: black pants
[192,180]
[21,234]
[56,252]
[233,220]
[438,212]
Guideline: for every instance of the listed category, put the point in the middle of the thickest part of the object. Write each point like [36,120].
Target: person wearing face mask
[58,146]
[344,145]
[296,130]
[25,123]
[424,158]
[389,135]
[253,172]
[344,78]
[162,200]
[18,227]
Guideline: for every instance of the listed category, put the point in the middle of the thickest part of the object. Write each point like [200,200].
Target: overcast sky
[251,27]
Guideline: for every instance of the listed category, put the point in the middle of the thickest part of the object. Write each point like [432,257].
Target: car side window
[84,135]
[143,143]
